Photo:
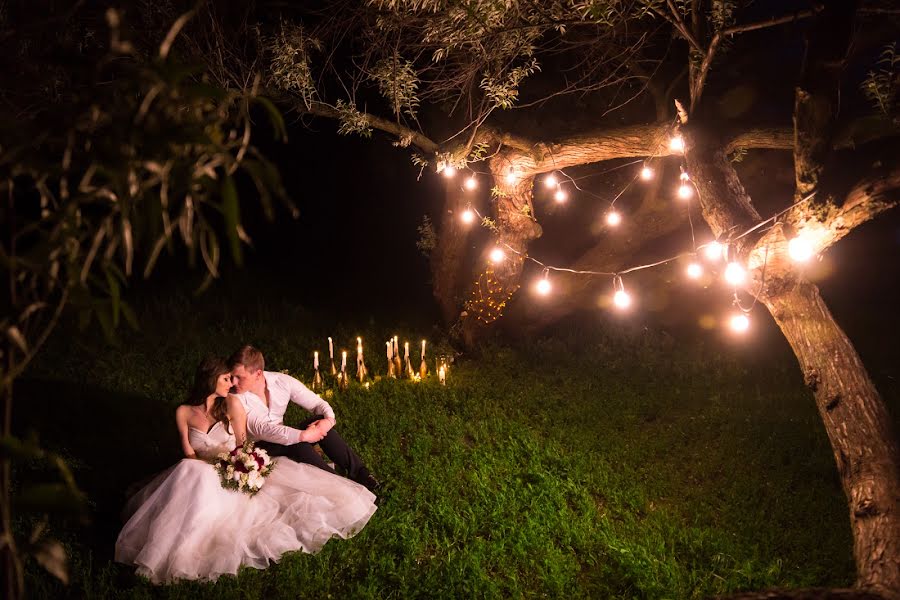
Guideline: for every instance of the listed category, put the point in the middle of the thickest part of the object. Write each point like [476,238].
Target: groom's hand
[324,425]
[311,434]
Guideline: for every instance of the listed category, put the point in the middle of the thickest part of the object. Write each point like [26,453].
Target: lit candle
[390,353]
[316,360]
[396,346]
[359,347]
[330,349]
[423,349]
[442,375]
[343,360]
[406,349]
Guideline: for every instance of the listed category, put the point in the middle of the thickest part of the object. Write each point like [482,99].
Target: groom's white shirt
[266,423]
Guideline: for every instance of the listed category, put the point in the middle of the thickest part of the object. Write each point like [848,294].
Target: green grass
[603,465]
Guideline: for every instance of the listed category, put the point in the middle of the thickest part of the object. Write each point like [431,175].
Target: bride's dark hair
[205,381]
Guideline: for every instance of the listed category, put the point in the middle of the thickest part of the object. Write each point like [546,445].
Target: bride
[185,525]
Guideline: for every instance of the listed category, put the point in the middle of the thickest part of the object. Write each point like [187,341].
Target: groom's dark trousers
[332,444]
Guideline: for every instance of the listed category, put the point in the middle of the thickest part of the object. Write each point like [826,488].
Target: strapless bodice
[212,443]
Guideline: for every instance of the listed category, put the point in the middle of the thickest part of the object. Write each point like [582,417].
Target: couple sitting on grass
[186,525]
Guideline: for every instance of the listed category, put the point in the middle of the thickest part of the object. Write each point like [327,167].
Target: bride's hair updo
[205,381]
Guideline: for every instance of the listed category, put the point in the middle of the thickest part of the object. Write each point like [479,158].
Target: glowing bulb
[735,274]
[685,191]
[676,144]
[550,181]
[560,195]
[621,299]
[497,255]
[449,171]
[543,286]
[694,270]
[613,218]
[646,173]
[739,323]
[468,216]
[713,251]
[684,176]
[800,250]
[471,183]
[512,178]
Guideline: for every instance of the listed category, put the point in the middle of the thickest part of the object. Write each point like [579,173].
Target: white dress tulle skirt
[185,525]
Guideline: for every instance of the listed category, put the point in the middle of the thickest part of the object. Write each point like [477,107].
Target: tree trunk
[858,426]
[449,255]
[854,415]
[515,229]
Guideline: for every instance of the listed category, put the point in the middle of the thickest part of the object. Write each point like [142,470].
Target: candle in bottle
[390,353]
[316,360]
[343,360]
[406,349]
[330,349]
[423,349]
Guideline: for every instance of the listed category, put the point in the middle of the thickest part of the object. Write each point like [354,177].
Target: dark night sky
[353,249]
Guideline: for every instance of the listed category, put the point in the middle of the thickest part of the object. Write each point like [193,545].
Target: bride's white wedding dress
[185,525]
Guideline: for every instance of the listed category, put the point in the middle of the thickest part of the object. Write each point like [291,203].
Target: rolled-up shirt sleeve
[302,395]
[261,429]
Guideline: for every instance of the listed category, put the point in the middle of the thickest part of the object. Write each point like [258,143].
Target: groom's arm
[277,433]
[302,395]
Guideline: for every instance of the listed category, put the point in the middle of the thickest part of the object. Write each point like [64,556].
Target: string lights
[543,286]
[621,298]
[735,274]
[491,295]
[449,171]
[685,189]
[800,249]
[739,322]
[613,218]
[694,270]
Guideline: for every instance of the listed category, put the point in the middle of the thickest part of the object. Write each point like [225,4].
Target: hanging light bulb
[497,255]
[739,322]
[471,183]
[512,178]
[449,171]
[694,270]
[676,143]
[550,181]
[543,286]
[800,250]
[560,195]
[621,298]
[613,218]
[713,250]
[685,190]
[735,273]
[646,173]
[468,216]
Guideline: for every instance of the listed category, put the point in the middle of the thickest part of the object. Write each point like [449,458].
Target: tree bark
[449,255]
[515,229]
[858,426]
[854,415]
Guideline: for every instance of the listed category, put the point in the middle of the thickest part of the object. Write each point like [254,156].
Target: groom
[265,396]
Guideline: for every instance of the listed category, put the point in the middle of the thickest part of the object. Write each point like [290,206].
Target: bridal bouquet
[244,469]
